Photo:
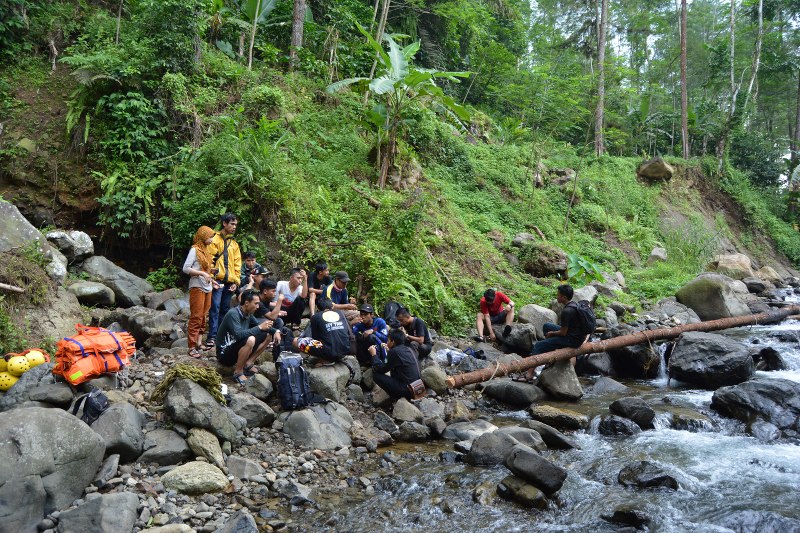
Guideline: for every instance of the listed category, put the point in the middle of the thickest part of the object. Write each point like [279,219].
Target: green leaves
[581,271]
[257,11]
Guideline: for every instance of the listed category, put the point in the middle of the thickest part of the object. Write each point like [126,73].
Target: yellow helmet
[3,364]
[35,358]
[18,365]
[7,381]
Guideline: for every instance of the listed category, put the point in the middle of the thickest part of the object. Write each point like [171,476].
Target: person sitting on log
[419,338]
[369,331]
[495,308]
[241,338]
[401,363]
[330,335]
[569,334]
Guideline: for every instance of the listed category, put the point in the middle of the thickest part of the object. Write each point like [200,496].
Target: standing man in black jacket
[401,361]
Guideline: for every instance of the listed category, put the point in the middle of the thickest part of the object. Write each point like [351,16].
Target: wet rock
[326,427]
[646,475]
[205,444]
[197,477]
[614,426]
[513,393]
[435,379]
[537,315]
[639,361]
[711,297]
[532,467]
[460,431]
[558,418]
[606,385]
[253,410]
[769,359]
[109,512]
[634,409]
[553,438]
[243,468]
[190,404]
[484,493]
[128,288]
[329,381]
[48,458]
[655,169]
[683,419]
[92,294]
[525,494]
[121,429]
[594,364]
[710,360]
[404,411]
[628,516]
[164,447]
[410,431]
[774,400]
[561,382]
[241,522]
[764,431]
[491,449]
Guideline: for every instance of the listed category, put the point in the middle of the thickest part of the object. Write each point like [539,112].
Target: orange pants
[199,304]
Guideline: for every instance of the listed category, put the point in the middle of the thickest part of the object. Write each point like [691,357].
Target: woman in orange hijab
[198,265]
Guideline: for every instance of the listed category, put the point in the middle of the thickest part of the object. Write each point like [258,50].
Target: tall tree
[298,21]
[684,89]
[599,141]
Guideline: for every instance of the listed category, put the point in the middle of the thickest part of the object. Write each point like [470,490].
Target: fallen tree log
[500,370]
[11,288]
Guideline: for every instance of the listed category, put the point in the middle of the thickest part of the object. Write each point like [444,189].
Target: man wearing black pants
[419,338]
[401,361]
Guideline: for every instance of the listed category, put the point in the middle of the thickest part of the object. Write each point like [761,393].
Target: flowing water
[729,481]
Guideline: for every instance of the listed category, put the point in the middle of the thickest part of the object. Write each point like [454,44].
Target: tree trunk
[726,127]
[756,57]
[388,158]
[500,370]
[684,89]
[253,36]
[379,38]
[298,21]
[796,136]
[599,141]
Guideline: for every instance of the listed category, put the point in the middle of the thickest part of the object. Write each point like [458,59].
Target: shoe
[240,379]
[209,345]
[507,330]
[250,370]
[478,338]
[194,352]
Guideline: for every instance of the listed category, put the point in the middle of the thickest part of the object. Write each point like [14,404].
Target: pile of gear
[13,365]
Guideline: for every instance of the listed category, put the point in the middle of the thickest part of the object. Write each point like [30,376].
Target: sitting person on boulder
[294,292]
[496,308]
[241,338]
[254,279]
[316,283]
[267,308]
[249,266]
[570,334]
[337,293]
[369,331]
[401,363]
[330,334]
[417,334]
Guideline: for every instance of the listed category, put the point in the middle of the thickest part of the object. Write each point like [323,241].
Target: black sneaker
[507,331]
[478,338]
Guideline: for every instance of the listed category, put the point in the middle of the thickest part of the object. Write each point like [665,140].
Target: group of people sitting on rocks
[267,314]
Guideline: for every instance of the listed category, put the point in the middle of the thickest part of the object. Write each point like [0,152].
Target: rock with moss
[711,297]
[542,259]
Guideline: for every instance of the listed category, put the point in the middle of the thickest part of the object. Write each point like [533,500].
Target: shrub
[263,100]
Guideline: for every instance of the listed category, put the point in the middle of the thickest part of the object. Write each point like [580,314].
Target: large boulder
[55,320]
[326,427]
[148,326]
[522,492]
[646,475]
[635,409]
[256,412]
[467,431]
[197,477]
[537,315]
[513,393]
[776,401]
[75,245]
[329,381]
[519,340]
[756,285]
[655,170]
[190,404]
[711,297]
[128,288]
[157,300]
[710,360]
[558,417]
[530,466]
[16,233]
[560,381]
[614,426]
[635,361]
[110,512]
[736,266]
[92,294]
[121,429]
[492,448]
[540,259]
[669,308]
[47,458]
[164,447]
[553,438]
[29,382]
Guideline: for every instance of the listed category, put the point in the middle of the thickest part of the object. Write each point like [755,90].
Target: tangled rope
[208,378]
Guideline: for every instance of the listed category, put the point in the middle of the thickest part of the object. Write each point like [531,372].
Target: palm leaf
[382,85]
[341,84]
[398,64]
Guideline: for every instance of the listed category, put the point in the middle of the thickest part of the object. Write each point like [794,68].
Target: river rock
[634,409]
[196,477]
[128,288]
[552,437]
[769,359]
[190,404]
[767,273]
[639,361]
[594,364]
[156,300]
[614,426]
[655,169]
[606,385]
[561,382]
[558,418]
[75,245]
[110,512]
[525,494]
[657,255]
[326,427]
[492,448]
[774,400]
[259,386]
[627,515]
[537,315]
[755,285]
[329,381]
[243,468]
[710,360]
[405,411]
[411,431]
[435,379]
[672,309]
[532,467]
[736,266]
[513,393]
[460,431]
[253,410]
[164,447]
[541,259]
[740,288]
[121,428]
[205,444]
[148,326]
[750,520]
[241,522]
[92,294]
[646,475]
[47,458]
[711,297]
[684,419]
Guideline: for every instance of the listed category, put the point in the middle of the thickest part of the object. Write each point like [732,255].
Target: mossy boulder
[541,259]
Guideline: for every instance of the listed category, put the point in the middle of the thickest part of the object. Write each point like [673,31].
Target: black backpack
[586,318]
[285,345]
[390,314]
[294,392]
[94,403]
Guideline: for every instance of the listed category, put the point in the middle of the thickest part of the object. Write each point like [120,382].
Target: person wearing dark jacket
[241,337]
[419,338]
[369,330]
[401,362]
[330,334]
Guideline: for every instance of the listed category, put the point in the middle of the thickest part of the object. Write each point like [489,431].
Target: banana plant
[255,12]
[397,86]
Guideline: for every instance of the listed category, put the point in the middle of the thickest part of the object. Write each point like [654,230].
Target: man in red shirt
[496,308]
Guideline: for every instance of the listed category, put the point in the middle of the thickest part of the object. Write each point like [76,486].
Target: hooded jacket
[227,258]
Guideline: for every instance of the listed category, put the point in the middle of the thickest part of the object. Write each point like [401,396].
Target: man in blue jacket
[369,331]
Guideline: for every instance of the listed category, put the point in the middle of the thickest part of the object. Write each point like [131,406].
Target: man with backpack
[330,334]
[227,269]
[577,323]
